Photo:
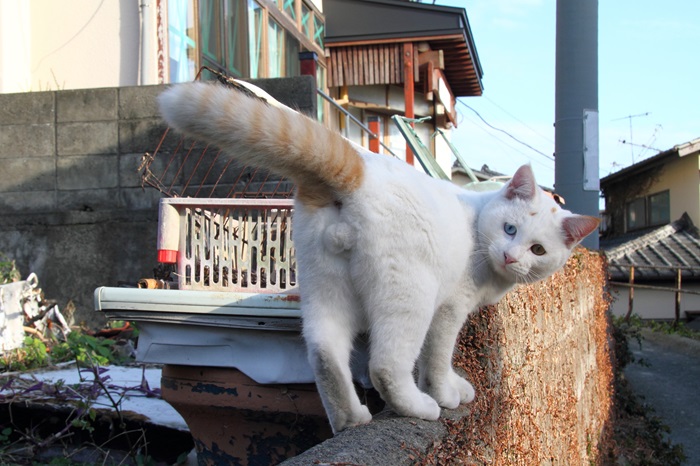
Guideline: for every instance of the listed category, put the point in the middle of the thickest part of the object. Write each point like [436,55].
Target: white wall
[72,44]
[652,304]
[15,46]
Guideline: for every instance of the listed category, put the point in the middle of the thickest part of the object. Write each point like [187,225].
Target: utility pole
[576,167]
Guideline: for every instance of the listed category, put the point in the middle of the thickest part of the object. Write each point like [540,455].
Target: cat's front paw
[343,420]
[451,391]
[446,395]
[429,409]
[465,389]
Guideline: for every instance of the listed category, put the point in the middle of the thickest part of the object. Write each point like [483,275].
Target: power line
[507,133]
[546,138]
[507,144]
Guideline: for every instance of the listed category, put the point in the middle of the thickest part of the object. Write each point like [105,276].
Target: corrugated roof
[674,245]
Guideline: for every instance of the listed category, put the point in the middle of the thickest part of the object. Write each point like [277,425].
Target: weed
[8,270]
[669,328]
[639,435]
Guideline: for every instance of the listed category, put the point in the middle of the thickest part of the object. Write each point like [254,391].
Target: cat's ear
[522,185]
[577,227]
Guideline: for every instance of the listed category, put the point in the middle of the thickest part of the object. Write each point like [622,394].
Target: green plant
[5,436]
[640,437]
[31,355]
[8,270]
[670,328]
[623,332]
[87,350]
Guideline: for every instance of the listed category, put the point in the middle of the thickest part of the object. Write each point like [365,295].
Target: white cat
[383,249]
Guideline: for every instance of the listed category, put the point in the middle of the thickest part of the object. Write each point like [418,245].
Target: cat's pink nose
[508,258]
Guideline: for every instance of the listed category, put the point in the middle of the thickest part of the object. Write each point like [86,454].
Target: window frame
[270,10]
[646,206]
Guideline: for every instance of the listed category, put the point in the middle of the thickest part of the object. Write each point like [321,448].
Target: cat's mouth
[514,272]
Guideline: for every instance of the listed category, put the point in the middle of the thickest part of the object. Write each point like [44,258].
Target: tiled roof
[674,245]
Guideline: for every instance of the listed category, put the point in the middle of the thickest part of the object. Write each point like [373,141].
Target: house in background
[79,44]
[651,209]
[376,58]
[387,57]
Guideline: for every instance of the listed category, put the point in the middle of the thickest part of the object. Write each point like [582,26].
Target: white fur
[406,259]
[403,258]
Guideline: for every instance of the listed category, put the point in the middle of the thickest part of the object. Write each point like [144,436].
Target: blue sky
[648,65]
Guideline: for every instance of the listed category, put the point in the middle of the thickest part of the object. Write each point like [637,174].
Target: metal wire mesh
[183,167]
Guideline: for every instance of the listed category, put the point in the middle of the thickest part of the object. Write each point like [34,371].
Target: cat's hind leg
[329,338]
[395,341]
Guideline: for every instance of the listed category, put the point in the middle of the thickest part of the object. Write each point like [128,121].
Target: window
[319,29]
[636,214]
[223,36]
[182,48]
[283,48]
[241,38]
[256,16]
[659,208]
[651,210]
[210,17]
[306,21]
[289,7]
[236,43]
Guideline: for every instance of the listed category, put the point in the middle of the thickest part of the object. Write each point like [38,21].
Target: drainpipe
[146,35]
[576,176]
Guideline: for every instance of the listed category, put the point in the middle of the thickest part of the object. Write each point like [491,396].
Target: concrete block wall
[75,150]
[72,208]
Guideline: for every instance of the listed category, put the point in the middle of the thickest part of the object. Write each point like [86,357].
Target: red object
[373,124]
[167,256]
[307,63]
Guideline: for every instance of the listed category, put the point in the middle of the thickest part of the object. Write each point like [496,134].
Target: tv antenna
[629,117]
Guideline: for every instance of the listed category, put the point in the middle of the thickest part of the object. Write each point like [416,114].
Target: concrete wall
[72,209]
[655,304]
[540,364]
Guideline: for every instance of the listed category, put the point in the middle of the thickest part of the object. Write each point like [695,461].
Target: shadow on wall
[72,209]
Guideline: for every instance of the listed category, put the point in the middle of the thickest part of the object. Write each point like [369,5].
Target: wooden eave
[660,159]
[354,28]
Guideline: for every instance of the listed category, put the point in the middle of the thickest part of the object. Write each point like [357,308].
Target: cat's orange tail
[322,163]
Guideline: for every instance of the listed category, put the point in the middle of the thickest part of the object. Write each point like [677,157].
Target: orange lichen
[540,363]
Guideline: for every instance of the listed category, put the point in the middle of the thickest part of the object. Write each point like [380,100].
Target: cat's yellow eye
[538,249]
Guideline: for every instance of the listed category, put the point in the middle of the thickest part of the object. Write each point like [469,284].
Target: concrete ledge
[388,439]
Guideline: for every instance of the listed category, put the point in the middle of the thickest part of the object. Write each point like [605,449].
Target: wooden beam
[408,90]
[436,57]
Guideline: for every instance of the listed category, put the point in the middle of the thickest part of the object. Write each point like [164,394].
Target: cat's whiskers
[481,249]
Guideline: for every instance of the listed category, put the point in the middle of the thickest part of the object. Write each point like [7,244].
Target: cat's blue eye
[510,229]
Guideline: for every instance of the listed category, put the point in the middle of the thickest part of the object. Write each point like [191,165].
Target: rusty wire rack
[230,225]
[183,167]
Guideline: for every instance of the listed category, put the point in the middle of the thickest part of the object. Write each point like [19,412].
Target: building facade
[650,235]
[374,58]
[76,44]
